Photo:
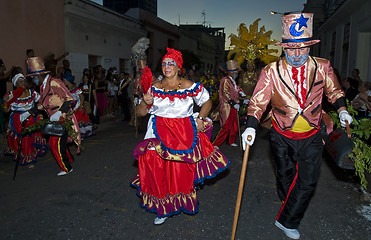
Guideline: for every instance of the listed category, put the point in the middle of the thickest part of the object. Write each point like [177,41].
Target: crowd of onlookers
[358,94]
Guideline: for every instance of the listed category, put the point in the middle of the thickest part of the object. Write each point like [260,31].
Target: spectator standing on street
[355,76]
[294,85]
[100,89]
[361,103]
[175,156]
[123,96]
[111,94]
[4,79]
[66,66]
[350,87]
[89,99]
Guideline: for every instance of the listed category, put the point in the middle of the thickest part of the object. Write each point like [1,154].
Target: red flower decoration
[146,79]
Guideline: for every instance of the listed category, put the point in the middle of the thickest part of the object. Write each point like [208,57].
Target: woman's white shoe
[159,221]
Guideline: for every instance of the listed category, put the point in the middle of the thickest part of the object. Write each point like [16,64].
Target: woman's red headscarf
[175,55]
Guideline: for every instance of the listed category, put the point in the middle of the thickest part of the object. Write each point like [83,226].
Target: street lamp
[285,13]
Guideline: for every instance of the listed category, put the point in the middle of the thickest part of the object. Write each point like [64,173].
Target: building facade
[344,28]
[36,24]
[160,33]
[206,43]
[97,35]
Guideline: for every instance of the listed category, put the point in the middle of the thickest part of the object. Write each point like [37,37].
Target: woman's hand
[200,125]
[148,98]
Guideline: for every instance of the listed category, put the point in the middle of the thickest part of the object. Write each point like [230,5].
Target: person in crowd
[361,103]
[29,53]
[60,71]
[57,101]
[355,76]
[294,86]
[100,87]
[249,78]
[175,155]
[111,94]
[4,80]
[350,87]
[88,101]
[116,82]
[51,62]
[123,95]
[229,104]
[21,102]
[66,66]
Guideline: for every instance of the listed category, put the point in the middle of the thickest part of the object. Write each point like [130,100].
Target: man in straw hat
[56,100]
[229,93]
[295,85]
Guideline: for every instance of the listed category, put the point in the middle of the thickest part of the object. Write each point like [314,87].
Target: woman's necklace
[180,82]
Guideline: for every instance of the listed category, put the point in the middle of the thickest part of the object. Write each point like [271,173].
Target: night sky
[227,14]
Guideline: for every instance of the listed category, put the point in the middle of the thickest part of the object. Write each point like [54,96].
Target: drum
[339,146]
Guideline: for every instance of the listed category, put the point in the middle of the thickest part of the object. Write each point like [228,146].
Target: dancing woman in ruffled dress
[176,155]
[20,102]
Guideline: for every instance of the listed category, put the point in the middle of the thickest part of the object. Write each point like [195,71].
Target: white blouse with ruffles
[167,105]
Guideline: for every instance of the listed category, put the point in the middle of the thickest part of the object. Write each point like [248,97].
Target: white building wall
[91,29]
[358,14]
[78,61]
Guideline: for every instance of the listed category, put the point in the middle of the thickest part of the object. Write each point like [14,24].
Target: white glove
[24,116]
[344,115]
[56,116]
[248,132]
[237,107]
[246,101]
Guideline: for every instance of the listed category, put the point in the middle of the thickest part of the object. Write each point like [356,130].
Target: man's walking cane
[240,188]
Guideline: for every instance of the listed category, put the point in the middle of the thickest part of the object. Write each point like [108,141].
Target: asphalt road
[95,201]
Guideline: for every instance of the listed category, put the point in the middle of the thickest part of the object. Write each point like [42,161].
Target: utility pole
[203,15]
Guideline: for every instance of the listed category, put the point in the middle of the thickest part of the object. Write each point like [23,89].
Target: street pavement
[96,201]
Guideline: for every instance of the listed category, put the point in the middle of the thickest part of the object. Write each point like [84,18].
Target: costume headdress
[297,30]
[16,78]
[232,65]
[139,52]
[251,44]
[175,55]
[36,66]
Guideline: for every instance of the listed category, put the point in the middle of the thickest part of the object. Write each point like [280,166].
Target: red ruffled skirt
[33,144]
[172,165]
[85,125]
